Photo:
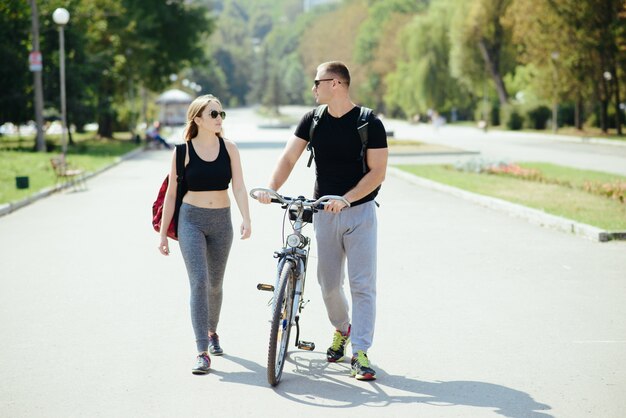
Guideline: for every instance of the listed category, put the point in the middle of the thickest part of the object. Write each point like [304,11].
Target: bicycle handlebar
[277,198]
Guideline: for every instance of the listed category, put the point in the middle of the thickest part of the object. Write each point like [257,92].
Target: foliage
[422,79]
[319,42]
[614,190]
[482,45]
[572,44]
[512,117]
[405,56]
[377,47]
[15,79]
[538,117]
[113,47]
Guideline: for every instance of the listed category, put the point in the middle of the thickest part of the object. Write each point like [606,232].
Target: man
[154,133]
[342,232]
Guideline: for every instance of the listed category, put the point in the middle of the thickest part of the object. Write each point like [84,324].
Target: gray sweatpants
[349,235]
[205,237]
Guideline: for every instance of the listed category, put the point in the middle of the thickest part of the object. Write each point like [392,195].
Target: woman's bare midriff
[214,199]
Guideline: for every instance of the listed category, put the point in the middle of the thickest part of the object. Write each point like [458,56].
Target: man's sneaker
[336,351]
[203,364]
[361,367]
[214,345]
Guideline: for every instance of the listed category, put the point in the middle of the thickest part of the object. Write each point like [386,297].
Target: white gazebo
[173,107]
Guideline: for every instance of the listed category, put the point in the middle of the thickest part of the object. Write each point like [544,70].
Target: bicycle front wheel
[281,324]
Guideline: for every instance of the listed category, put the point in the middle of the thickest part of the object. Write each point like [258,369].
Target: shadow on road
[316,382]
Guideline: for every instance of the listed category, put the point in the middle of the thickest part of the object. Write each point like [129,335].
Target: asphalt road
[479,314]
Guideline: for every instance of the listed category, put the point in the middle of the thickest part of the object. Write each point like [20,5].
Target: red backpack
[181,189]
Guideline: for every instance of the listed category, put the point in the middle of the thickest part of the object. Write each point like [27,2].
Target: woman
[205,231]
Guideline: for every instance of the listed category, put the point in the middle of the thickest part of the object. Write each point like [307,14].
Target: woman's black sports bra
[203,175]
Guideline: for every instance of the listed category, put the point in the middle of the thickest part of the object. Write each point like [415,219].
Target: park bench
[66,174]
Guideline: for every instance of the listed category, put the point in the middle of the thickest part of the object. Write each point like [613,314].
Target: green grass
[89,154]
[392,142]
[568,202]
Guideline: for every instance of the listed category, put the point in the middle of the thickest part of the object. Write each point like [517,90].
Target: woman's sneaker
[336,351]
[361,367]
[214,345]
[203,364]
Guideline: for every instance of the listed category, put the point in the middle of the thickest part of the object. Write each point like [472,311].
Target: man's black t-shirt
[337,146]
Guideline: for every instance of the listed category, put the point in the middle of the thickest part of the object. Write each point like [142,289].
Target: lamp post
[61,16]
[555,102]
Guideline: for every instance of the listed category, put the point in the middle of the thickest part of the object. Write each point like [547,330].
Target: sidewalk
[479,314]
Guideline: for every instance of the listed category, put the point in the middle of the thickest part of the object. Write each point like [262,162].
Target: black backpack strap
[181,153]
[362,126]
[317,115]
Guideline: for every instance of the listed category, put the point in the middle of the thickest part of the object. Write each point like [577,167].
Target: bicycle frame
[288,300]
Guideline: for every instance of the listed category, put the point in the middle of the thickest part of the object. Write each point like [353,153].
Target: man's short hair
[338,69]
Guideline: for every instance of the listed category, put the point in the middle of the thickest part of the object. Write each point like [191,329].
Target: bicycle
[288,299]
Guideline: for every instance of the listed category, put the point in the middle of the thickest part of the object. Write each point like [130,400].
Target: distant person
[205,230]
[343,234]
[154,134]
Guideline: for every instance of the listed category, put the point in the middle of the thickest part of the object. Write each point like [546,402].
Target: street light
[555,103]
[61,16]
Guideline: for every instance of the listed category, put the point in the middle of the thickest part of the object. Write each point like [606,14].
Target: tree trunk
[618,111]
[491,57]
[604,125]
[578,113]
[105,125]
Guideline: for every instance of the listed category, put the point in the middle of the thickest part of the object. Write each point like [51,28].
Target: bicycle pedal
[265,287]
[306,345]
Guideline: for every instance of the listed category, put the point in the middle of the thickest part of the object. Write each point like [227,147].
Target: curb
[10,207]
[534,216]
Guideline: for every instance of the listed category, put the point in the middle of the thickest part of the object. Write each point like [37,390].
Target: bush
[538,117]
[567,114]
[495,114]
[512,118]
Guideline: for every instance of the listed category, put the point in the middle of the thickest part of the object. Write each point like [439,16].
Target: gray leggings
[205,237]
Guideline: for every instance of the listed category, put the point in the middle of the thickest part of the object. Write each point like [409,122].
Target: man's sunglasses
[317,82]
[214,114]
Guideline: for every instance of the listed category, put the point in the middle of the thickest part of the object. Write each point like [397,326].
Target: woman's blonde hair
[195,109]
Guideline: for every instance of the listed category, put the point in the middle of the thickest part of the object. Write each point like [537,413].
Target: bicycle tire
[281,324]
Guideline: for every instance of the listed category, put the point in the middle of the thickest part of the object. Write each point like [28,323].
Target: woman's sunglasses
[214,114]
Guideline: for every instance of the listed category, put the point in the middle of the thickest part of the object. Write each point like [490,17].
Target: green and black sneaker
[336,351]
[361,367]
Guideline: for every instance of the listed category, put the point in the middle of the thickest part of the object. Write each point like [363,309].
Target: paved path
[480,314]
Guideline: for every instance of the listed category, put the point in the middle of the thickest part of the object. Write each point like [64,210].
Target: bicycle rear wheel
[281,324]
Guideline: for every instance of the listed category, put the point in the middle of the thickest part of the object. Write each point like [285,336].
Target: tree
[319,44]
[377,46]
[581,41]
[15,79]
[114,47]
[479,32]
[422,79]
